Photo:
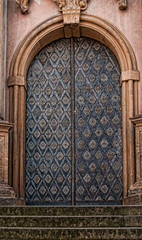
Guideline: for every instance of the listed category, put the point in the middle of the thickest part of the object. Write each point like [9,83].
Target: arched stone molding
[51,30]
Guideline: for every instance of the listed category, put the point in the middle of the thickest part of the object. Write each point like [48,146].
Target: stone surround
[7,195]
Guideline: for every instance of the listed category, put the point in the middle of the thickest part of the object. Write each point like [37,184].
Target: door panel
[73,125]
[48,126]
[98,124]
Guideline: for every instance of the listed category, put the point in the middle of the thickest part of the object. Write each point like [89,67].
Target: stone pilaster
[7,196]
[135,191]
[3,39]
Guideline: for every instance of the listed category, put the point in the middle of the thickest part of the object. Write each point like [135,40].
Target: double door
[74,125]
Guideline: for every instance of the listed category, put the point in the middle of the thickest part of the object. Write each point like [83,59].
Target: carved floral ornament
[71,10]
[23,4]
[123,4]
[68,4]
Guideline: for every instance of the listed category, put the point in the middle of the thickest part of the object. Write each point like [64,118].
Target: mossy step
[71,211]
[70,221]
[68,234]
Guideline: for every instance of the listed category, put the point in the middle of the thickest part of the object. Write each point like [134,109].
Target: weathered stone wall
[1,7]
[3,36]
[129,22]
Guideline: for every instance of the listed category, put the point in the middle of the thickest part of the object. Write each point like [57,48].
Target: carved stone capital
[130,75]
[17,81]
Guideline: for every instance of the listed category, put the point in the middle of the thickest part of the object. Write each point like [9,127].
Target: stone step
[66,223]
[9,201]
[72,233]
[70,211]
[71,221]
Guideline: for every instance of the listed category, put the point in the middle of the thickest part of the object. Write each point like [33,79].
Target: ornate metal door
[73,125]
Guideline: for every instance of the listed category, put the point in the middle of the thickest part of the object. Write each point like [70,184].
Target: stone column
[129,81]
[7,196]
[17,86]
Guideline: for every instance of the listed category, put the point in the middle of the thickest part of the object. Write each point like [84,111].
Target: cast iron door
[74,125]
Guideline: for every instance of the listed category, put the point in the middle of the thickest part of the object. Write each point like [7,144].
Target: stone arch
[49,31]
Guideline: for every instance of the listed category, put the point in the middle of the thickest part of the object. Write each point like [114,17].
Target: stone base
[7,195]
[134,195]
[5,201]
[20,202]
[6,191]
[9,201]
[135,199]
[136,188]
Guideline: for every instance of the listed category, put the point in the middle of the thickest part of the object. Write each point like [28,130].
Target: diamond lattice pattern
[48,126]
[97,128]
[98,124]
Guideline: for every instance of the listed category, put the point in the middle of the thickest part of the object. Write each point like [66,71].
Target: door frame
[50,30]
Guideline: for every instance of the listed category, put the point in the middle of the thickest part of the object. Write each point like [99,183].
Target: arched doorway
[47,32]
[74,125]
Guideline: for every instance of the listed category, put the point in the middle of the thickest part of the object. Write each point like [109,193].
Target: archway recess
[45,33]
